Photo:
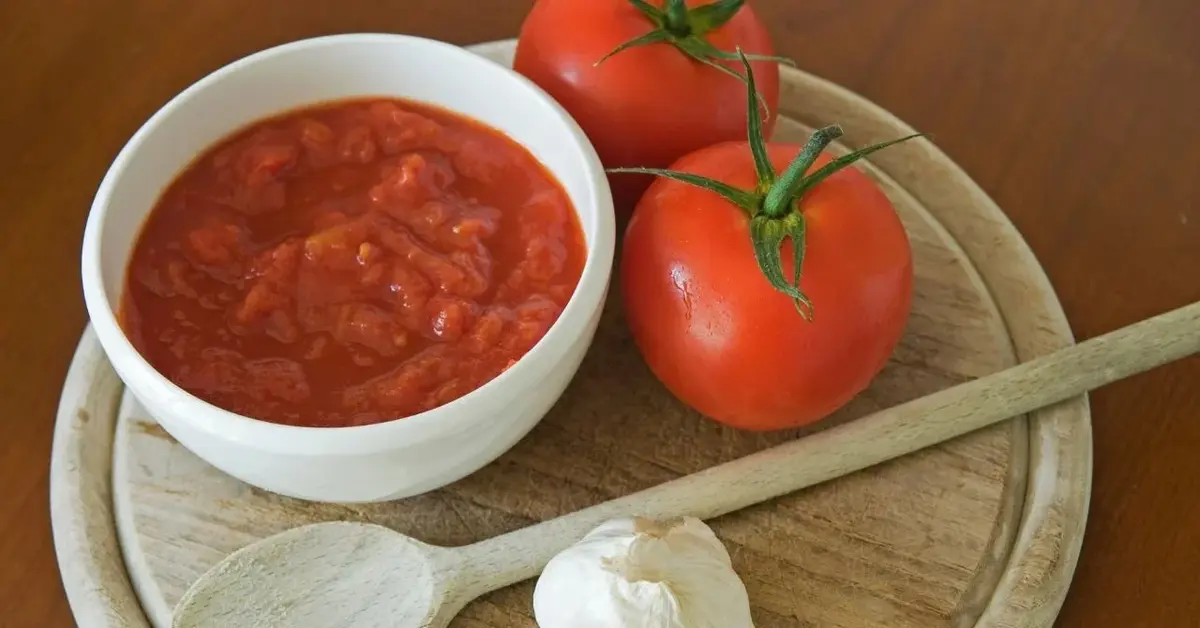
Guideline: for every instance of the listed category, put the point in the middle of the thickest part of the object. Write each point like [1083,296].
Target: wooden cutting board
[982,531]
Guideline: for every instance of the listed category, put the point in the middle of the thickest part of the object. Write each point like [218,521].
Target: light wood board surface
[981,531]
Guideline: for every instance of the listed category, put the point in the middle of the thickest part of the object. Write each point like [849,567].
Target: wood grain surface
[919,542]
[1076,116]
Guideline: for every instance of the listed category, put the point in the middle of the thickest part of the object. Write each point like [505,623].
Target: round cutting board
[981,531]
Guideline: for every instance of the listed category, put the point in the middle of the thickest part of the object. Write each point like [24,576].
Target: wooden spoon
[352,574]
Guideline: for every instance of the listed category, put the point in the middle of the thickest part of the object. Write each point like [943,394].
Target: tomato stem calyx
[774,205]
[675,18]
[685,28]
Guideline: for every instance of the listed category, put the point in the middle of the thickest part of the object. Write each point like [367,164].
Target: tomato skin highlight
[648,105]
[720,337]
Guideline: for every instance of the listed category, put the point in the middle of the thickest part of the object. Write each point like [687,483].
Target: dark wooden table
[1078,116]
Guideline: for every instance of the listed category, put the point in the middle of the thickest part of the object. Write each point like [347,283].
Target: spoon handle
[858,444]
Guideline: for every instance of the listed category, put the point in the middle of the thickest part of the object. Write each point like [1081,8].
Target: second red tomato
[650,104]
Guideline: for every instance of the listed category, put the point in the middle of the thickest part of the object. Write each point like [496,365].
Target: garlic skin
[641,573]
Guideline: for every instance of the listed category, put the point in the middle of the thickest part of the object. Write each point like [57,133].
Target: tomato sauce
[351,263]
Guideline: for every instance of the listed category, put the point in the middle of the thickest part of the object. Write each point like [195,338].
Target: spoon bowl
[325,574]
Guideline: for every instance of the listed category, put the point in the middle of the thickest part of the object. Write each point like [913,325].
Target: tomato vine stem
[686,30]
[676,21]
[774,206]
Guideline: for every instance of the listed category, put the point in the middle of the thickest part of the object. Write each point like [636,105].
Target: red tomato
[647,105]
[720,336]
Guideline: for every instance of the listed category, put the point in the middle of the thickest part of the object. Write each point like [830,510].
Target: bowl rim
[587,298]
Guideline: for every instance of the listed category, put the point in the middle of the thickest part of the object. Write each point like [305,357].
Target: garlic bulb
[641,573]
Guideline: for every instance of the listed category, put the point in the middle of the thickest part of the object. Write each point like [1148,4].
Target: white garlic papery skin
[641,573]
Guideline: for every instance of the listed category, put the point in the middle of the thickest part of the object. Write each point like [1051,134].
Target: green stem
[653,37]
[754,135]
[741,198]
[733,56]
[834,165]
[686,29]
[775,206]
[767,236]
[650,11]
[778,201]
[710,16]
[677,21]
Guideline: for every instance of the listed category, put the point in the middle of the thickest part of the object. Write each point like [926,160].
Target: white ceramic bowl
[387,460]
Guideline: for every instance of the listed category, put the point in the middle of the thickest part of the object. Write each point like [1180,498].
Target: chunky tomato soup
[351,263]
